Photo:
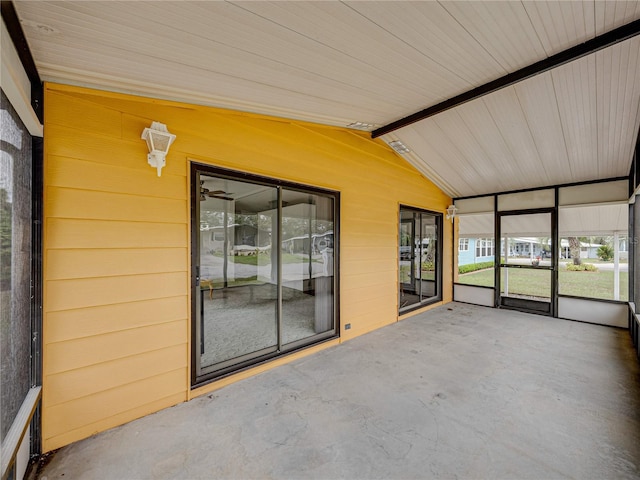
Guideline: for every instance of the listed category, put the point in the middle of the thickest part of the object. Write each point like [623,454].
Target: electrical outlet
[347,326]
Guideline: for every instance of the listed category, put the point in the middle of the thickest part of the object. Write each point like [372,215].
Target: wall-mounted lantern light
[158,141]
[451,212]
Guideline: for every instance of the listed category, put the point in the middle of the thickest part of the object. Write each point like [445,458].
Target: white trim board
[16,84]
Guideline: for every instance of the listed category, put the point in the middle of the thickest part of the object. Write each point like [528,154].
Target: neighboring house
[475,250]
[527,247]
[590,250]
[587,250]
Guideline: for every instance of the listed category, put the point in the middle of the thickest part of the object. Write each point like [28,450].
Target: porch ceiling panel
[375,62]
[575,123]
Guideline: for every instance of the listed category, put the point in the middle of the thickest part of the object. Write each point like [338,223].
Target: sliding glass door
[420,269]
[264,267]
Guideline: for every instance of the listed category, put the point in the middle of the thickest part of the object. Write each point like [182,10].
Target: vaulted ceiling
[375,62]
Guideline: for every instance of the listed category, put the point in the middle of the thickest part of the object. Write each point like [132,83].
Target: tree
[605,253]
[574,250]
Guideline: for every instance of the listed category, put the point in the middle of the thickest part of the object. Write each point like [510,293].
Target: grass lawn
[537,282]
[481,278]
[595,260]
[263,259]
[592,284]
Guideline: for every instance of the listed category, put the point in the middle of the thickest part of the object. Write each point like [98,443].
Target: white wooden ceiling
[375,62]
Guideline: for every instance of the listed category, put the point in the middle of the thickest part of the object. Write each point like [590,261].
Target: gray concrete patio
[457,392]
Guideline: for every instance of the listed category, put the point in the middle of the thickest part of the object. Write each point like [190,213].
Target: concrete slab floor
[457,392]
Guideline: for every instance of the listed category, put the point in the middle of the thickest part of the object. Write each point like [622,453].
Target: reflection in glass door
[264,271]
[408,273]
[307,266]
[526,261]
[237,269]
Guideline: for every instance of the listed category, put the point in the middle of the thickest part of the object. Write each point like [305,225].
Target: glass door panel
[526,261]
[428,257]
[409,260]
[307,265]
[238,271]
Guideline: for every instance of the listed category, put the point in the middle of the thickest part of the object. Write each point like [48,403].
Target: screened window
[15,264]
[475,264]
[420,258]
[594,251]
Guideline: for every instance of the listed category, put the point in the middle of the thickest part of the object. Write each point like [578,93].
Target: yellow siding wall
[116,242]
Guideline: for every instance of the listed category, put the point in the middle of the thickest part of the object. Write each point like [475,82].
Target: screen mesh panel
[15,263]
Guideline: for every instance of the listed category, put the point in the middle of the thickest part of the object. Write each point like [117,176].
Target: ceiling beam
[591,46]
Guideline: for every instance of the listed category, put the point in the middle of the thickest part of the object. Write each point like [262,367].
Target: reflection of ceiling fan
[205,192]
